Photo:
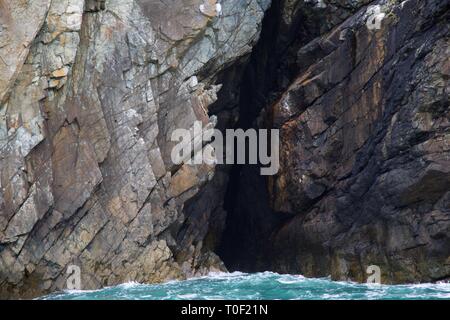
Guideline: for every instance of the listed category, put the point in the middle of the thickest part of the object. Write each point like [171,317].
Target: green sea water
[259,286]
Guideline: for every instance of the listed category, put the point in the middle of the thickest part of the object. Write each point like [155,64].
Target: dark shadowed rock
[365,132]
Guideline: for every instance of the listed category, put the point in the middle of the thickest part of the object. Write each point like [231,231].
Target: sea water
[259,286]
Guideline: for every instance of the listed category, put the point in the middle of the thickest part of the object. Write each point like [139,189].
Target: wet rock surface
[364,177]
[365,153]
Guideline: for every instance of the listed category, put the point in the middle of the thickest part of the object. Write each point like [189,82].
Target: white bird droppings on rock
[193,82]
[210,8]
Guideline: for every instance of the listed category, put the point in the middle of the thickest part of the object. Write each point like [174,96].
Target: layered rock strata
[90,93]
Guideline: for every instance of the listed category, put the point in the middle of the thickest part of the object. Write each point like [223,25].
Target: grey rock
[90,91]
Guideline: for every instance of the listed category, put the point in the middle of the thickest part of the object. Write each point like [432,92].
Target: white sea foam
[129,285]
[187,296]
[266,285]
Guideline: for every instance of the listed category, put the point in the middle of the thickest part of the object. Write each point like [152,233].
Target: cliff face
[364,121]
[91,91]
[365,175]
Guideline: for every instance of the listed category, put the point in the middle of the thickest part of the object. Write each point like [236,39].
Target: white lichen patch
[317,3]
[218,9]
[27,138]
[193,82]
[211,8]
[375,15]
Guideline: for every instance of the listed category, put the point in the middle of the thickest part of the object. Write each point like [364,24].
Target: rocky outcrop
[366,150]
[90,93]
[365,158]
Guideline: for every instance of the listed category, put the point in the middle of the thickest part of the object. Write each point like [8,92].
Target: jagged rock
[365,134]
[365,162]
[95,5]
[88,102]
[20,23]
[91,91]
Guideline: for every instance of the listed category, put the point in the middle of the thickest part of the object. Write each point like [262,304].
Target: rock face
[366,150]
[364,121]
[90,93]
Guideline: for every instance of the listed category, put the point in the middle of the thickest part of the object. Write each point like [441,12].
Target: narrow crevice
[235,206]
[249,218]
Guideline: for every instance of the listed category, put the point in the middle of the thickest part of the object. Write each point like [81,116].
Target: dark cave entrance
[250,221]
[232,216]
[249,218]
